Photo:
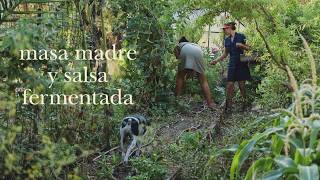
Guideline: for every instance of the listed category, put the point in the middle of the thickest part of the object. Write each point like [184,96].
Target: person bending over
[191,62]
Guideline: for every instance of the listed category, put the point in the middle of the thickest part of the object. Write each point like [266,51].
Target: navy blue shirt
[235,52]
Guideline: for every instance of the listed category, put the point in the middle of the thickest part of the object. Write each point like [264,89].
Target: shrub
[47,160]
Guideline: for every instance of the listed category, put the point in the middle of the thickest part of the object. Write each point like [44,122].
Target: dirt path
[170,131]
[160,135]
[198,120]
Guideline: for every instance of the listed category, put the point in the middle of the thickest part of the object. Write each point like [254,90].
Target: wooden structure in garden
[13,10]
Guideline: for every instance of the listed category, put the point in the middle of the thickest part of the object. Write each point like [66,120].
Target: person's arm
[222,57]
[243,46]
[177,51]
[243,43]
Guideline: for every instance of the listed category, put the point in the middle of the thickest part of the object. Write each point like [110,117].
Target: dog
[133,126]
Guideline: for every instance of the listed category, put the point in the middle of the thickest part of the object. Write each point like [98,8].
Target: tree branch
[274,25]
[268,47]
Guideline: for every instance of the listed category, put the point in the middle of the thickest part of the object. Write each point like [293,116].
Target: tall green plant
[147,28]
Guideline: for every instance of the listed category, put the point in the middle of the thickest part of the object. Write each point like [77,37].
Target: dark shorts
[239,72]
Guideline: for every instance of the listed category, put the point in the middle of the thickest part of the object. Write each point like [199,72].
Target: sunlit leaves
[245,149]
[308,172]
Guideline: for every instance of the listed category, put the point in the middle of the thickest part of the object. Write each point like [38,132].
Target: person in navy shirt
[234,45]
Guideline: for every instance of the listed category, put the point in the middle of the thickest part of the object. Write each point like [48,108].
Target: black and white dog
[133,126]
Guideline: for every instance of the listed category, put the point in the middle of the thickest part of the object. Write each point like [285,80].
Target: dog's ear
[135,128]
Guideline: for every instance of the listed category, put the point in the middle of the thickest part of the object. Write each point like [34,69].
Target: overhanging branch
[273,57]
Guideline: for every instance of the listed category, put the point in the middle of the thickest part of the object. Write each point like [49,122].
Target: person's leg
[242,89]
[180,80]
[230,90]
[189,73]
[205,88]
[243,94]
[230,87]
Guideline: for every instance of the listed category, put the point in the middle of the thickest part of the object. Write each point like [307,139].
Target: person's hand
[239,45]
[213,62]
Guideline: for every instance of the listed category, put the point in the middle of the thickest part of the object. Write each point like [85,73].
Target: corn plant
[291,148]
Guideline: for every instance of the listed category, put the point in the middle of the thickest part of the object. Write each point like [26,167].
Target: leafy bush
[279,23]
[190,152]
[46,160]
[106,167]
[148,169]
[150,77]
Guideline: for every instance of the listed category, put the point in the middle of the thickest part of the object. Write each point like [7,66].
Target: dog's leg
[132,145]
[122,136]
[138,152]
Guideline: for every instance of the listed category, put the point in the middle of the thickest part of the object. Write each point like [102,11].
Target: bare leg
[242,89]
[180,80]
[230,89]
[188,74]
[205,88]
[132,145]
[243,94]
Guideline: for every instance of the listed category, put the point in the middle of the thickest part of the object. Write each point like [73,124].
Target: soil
[201,119]
[159,135]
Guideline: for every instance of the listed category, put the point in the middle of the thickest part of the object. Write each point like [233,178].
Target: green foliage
[240,128]
[292,144]
[190,152]
[106,167]
[51,137]
[40,142]
[47,160]
[191,30]
[279,23]
[148,30]
[148,168]
[270,88]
